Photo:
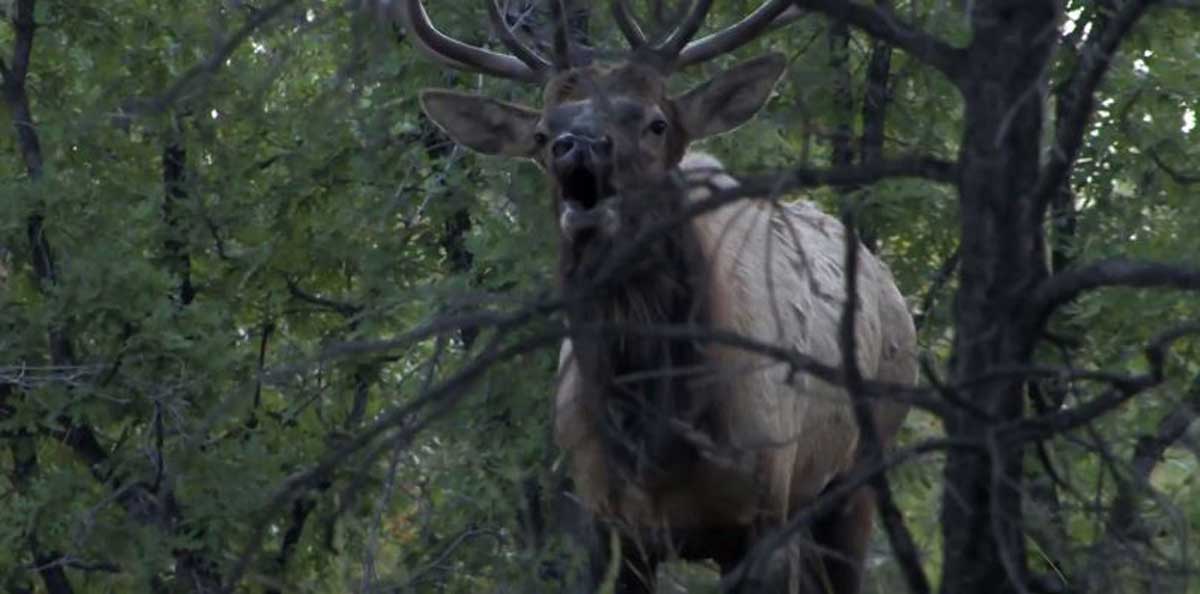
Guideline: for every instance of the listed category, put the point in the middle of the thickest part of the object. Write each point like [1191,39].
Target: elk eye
[540,138]
[658,127]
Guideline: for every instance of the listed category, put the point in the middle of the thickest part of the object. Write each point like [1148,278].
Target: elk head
[603,130]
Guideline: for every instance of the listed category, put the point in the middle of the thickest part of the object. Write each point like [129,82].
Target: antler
[691,24]
[773,12]
[562,38]
[627,24]
[524,64]
[678,50]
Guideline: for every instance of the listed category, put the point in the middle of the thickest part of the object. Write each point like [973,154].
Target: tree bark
[174,168]
[1003,255]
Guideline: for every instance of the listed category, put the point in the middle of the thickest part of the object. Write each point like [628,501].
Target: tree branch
[1179,177]
[1124,389]
[944,274]
[14,88]
[912,166]
[175,196]
[343,308]
[1147,453]
[210,66]
[871,442]
[881,22]
[25,467]
[1080,96]
[837,492]
[1066,286]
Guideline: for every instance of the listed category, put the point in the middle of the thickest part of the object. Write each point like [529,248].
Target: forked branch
[1123,390]
[1066,286]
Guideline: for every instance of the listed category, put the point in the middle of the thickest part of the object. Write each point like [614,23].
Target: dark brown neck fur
[637,383]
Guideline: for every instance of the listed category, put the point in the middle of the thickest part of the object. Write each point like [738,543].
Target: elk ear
[729,99]
[485,125]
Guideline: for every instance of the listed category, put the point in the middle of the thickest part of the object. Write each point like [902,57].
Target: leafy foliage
[238,321]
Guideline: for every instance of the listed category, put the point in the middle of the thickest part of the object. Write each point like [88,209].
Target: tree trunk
[1003,256]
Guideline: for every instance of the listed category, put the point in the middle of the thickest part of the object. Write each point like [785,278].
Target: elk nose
[571,146]
[564,145]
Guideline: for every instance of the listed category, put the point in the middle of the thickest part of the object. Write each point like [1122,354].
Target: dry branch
[899,536]
[1068,285]
[1124,388]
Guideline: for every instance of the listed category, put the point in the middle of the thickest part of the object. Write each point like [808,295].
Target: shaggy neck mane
[638,383]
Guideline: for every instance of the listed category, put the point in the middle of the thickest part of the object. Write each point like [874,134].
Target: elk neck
[640,384]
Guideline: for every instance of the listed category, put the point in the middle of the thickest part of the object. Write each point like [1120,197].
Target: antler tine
[460,55]
[687,30]
[562,39]
[509,39]
[773,12]
[628,25]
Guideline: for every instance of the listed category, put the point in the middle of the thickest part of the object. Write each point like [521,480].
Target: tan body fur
[777,277]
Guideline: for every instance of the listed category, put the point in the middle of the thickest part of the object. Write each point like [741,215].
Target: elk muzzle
[578,222]
[582,164]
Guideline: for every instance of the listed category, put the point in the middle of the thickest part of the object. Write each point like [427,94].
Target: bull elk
[685,447]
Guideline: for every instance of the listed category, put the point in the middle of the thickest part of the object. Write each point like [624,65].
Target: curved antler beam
[455,53]
[675,43]
[774,12]
[562,41]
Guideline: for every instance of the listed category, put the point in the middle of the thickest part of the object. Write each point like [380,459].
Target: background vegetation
[263,328]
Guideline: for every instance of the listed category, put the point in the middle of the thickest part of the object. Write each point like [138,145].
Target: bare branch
[1044,426]
[881,22]
[346,309]
[1066,286]
[1181,178]
[442,398]
[915,166]
[944,273]
[835,495]
[1147,453]
[871,443]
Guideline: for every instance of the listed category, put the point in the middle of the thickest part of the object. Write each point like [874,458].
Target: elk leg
[842,537]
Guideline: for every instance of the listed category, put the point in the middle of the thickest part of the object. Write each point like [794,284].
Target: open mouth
[585,188]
